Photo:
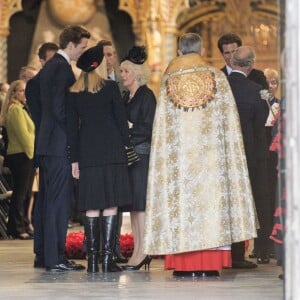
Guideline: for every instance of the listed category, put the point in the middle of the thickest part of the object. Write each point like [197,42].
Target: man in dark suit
[51,146]
[227,44]
[32,92]
[252,118]
[110,55]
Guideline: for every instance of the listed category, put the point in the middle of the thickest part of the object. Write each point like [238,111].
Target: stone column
[292,142]
[7,9]
[3,56]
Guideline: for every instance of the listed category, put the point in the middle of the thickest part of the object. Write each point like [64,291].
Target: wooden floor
[19,280]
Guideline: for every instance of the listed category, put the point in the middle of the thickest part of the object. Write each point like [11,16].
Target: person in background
[45,52]
[199,198]
[55,78]
[113,71]
[279,226]
[4,86]
[32,92]
[271,130]
[20,131]
[227,44]
[140,104]
[27,72]
[97,136]
[252,118]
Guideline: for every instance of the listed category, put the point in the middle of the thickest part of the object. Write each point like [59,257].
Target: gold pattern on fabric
[192,89]
[199,195]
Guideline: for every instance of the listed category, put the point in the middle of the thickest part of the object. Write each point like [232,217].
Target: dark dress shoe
[243,264]
[186,274]
[56,268]
[38,262]
[210,273]
[76,267]
[65,267]
[196,273]
[263,260]
[281,276]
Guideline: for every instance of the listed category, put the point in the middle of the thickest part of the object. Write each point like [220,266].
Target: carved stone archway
[257,22]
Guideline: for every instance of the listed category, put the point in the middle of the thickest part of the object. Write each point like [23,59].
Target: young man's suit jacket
[55,79]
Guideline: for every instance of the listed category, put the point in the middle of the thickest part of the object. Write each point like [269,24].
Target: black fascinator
[137,55]
[90,59]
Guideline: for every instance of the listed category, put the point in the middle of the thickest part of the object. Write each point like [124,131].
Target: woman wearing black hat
[97,135]
[140,106]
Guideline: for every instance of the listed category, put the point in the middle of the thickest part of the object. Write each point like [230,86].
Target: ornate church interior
[27,24]
[156,24]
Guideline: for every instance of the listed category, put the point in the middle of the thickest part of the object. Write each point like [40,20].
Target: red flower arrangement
[74,245]
[126,244]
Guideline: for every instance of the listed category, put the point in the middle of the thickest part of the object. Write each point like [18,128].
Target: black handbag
[132,156]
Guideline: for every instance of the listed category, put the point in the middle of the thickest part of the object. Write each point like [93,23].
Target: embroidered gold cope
[199,195]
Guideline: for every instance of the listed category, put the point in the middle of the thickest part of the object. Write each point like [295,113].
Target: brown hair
[229,38]
[72,34]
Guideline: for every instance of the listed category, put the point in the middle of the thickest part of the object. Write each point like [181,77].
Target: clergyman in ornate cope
[199,198]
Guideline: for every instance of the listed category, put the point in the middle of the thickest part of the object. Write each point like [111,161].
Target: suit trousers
[38,219]
[57,179]
[21,168]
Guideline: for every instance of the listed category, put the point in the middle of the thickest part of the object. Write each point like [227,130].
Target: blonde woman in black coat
[97,136]
[140,106]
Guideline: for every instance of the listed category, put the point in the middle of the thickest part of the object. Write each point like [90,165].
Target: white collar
[112,75]
[238,71]
[229,69]
[64,54]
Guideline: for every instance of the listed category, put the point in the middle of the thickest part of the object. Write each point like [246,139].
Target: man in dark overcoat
[252,117]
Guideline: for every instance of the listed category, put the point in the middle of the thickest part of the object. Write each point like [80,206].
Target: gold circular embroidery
[191,90]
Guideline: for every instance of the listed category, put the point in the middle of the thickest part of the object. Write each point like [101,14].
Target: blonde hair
[94,83]
[271,73]
[141,72]
[10,99]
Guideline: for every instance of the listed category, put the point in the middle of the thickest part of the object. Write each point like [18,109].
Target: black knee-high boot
[92,234]
[108,232]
